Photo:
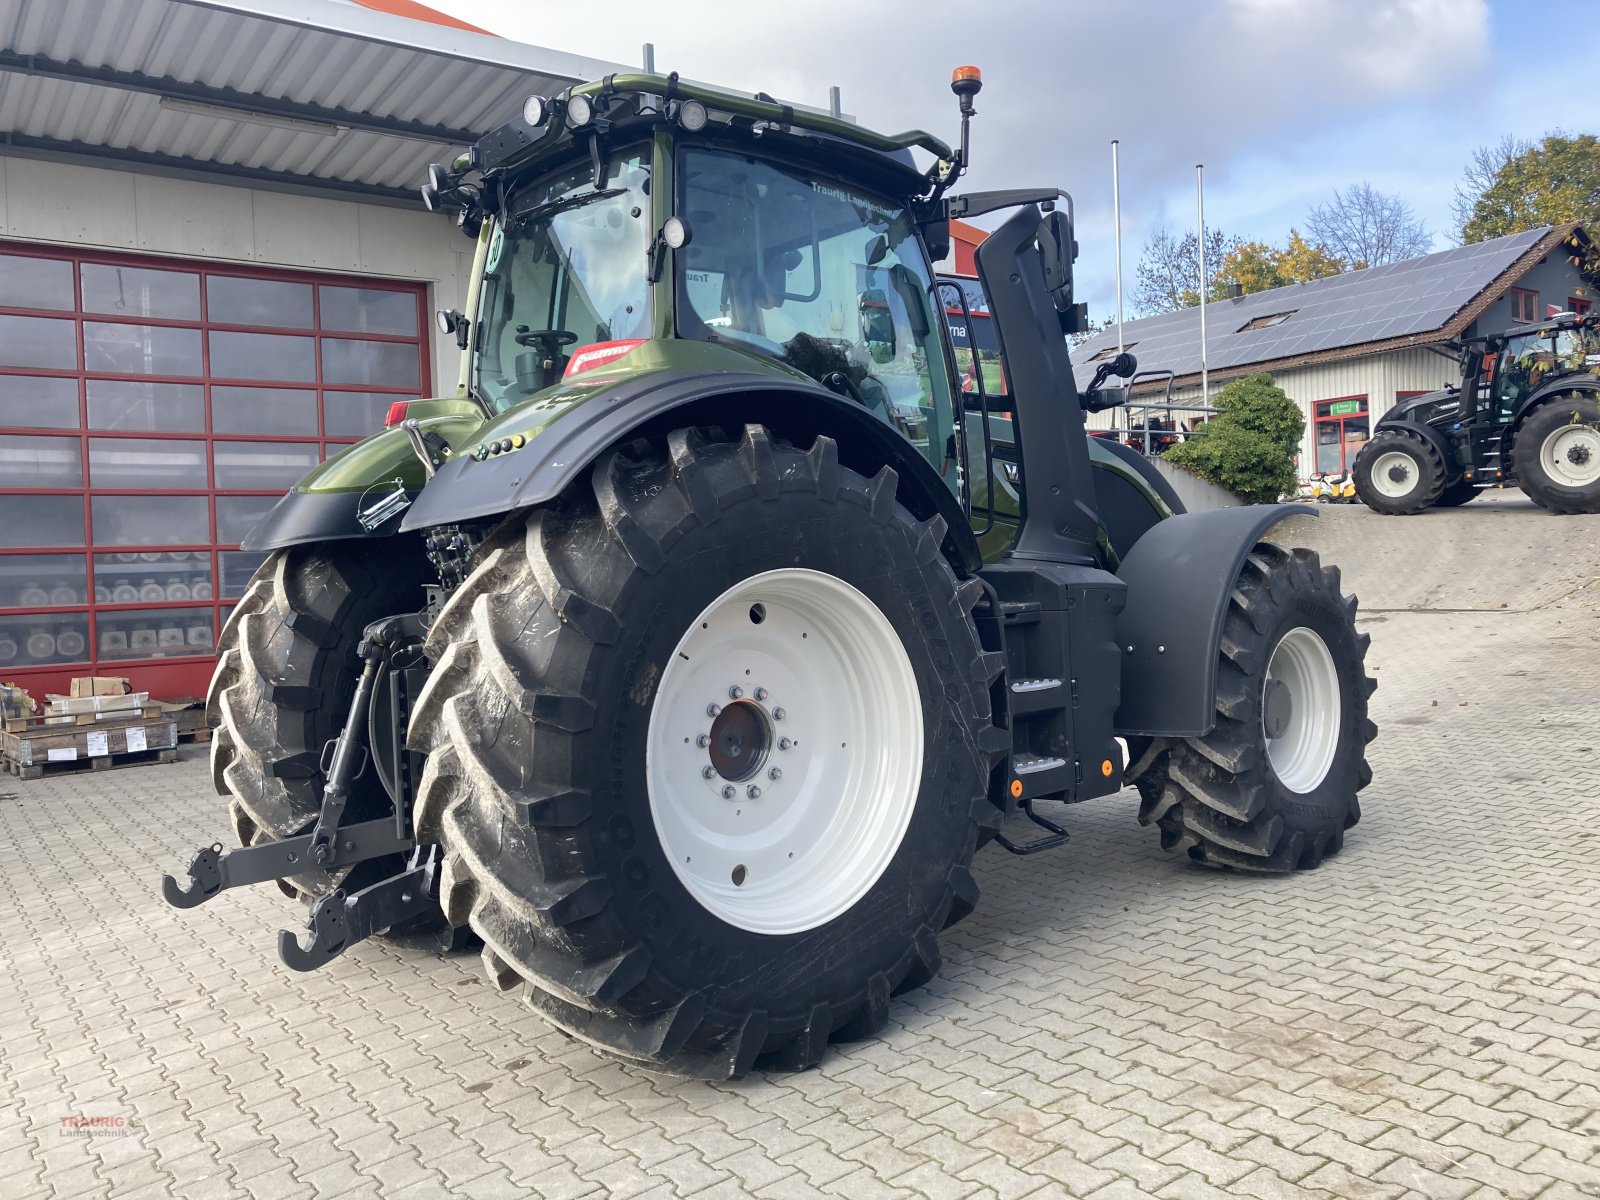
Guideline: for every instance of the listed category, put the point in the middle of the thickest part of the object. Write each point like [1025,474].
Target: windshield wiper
[555,206]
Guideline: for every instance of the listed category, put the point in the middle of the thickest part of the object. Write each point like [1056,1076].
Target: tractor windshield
[565,270]
[815,274]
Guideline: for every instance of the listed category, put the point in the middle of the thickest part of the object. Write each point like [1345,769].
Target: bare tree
[1368,228]
[1480,173]
[1168,276]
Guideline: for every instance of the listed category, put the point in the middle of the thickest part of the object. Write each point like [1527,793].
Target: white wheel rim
[828,698]
[1571,455]
[1395,474]
[1302,752]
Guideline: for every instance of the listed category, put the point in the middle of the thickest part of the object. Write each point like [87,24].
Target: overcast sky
[1283,100]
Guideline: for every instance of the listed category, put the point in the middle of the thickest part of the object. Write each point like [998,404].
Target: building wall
[88,206]
[1378,377]
[1552,277]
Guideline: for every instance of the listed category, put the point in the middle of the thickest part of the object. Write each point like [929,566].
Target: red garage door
[150,412]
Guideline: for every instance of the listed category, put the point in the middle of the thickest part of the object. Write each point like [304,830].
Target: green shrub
[1250,445]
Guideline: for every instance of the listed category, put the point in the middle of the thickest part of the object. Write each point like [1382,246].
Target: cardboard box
[100,685]
[74,705]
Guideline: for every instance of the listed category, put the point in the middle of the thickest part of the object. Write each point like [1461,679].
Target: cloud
[1177,82]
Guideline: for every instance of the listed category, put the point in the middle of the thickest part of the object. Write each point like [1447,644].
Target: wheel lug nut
[761,693]
[703,740]
[777,714]
[708,772]
[784,743]
[753,792]
[775,773]
[713,709]
[735,692]
[729,791]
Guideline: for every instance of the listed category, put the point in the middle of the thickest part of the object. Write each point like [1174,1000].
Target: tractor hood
[1430,408]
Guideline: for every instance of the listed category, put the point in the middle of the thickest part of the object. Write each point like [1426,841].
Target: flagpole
[1200,203]
[1116,225]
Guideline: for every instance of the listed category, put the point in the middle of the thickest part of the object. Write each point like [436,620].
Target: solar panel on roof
[1396,300]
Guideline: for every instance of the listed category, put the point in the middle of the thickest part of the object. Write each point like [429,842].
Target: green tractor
[689,652]
[1527,412]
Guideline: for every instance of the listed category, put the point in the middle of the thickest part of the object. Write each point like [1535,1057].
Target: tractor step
[1039,776]
[1037,695]
[1054,835]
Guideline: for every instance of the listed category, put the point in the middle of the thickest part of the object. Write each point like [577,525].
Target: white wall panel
[54,202]
[303,231]
[194,219]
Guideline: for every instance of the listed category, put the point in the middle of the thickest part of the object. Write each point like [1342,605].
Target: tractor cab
[1521,363]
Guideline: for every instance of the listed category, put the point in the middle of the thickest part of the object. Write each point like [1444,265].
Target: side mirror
[1124,365]
[1058,249]
[877,324]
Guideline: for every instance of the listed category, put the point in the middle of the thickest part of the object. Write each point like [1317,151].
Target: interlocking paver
[1415,1018]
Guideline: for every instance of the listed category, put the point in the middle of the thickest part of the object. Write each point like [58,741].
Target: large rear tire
[1557,454]
[709,743]
[1399,473]
[286,671]
[1272,787]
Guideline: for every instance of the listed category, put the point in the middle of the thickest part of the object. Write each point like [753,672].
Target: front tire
[1557,454]
[1399,473]
[592,841]
[1462,491]
[1272,788]
[286,671]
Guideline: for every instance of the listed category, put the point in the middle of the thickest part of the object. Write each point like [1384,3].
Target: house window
[1574,305]
[1109,352]
[1339,429]
[1524,305]
[1266,322]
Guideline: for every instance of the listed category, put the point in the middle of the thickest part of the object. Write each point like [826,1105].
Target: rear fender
[650,404]
[1179,577]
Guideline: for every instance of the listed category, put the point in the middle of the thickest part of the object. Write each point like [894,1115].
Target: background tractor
[698,642]
[1527,411]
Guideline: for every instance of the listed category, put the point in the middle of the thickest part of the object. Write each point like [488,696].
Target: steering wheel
[545,338]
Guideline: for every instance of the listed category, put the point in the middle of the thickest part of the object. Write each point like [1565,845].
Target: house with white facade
[1346,348]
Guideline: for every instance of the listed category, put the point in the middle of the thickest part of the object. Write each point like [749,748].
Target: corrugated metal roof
[91,76]
[1416,298]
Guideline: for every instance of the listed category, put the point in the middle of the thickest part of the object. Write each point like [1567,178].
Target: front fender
[323,506]
[469,489]
[1179,577]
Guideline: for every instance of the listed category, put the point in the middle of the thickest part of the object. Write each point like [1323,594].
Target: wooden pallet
[35,752]
[106,762]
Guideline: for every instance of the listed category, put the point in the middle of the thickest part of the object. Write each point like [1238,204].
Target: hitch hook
[205,879]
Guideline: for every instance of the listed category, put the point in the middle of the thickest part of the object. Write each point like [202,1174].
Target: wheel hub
[784,751]
[1277,708]
[1301,707]
[1395,474]
[1571,455]
[740,738]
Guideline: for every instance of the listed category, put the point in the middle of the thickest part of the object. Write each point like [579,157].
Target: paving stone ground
[1419,1017]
